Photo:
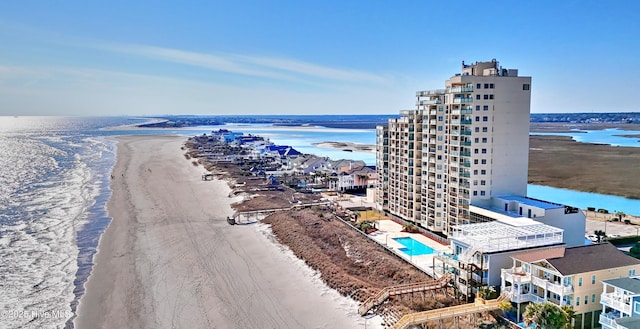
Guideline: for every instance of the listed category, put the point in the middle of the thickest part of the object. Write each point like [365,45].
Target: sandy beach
[170,260]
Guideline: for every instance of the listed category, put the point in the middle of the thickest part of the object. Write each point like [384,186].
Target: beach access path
[170,260]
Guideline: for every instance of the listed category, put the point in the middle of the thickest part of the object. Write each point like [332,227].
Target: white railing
[515,276]
[559,288]
[615,301]
[523,298]
[609,322]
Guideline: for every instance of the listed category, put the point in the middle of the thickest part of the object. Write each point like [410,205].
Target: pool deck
[388,230]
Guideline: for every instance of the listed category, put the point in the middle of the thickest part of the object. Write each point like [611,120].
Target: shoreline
[169,259]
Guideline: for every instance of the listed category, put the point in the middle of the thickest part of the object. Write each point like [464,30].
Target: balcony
[608,320]
[425,93]
[428,102]
[616,302]
[462,100]
[557,287]
[465,154]
[460,89]
[466,132]
[522,298]
[466,122]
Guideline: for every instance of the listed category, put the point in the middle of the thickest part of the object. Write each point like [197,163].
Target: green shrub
[624,240]
[635,250]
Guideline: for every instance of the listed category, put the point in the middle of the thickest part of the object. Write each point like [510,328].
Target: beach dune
[170,260]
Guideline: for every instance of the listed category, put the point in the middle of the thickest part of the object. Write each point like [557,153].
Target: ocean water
[54,184]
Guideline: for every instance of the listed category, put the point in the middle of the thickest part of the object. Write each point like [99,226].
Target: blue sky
[306,57]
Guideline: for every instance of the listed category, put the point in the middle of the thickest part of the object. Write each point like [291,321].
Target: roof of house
[628,284]
[359,170]
[629,322]
[590,258]
[537,255]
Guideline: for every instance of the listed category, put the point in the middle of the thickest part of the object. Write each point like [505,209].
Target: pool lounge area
[415,248]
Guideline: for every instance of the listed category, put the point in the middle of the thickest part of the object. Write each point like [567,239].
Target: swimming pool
[413,247]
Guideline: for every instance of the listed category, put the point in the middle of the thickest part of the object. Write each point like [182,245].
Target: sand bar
[170,260]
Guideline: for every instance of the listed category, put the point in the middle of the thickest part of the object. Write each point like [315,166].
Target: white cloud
[82,91]
[264,67]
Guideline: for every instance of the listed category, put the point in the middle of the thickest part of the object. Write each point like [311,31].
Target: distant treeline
[367,121]
[331,121]
[619,117]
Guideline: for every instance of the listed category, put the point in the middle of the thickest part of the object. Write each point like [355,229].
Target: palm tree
[600,234]
[570,314]
[547,315]
[620,215]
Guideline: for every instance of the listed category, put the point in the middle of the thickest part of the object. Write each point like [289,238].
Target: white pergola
[498,236]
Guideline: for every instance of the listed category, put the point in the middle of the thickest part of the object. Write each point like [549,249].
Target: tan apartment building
[567,276]
[465,143]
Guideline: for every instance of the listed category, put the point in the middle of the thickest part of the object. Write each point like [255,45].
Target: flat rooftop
[531,202]
[500,236]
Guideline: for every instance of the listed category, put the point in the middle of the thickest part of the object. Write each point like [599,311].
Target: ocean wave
[38,249]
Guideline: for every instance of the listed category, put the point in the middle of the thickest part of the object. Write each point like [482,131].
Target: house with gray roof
[572,276]
[620,301]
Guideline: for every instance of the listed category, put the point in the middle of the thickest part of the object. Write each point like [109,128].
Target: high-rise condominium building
[460,146]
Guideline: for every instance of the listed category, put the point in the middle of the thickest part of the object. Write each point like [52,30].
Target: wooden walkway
[448,312]
[409,288]
[258,214]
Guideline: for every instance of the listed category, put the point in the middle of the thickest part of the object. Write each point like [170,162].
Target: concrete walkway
[388,230]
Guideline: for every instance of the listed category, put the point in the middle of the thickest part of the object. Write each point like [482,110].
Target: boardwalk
[448,312]
[257,215]
[410,288]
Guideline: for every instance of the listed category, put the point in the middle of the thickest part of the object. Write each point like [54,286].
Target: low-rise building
[355,179]
[481,250]
[620,301]
[508,207]
[567,276]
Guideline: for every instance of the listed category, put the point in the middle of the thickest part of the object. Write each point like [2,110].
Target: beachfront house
[479,251]
[344,164]
[620,300]
[308,163]
[567,276]
[354,179]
